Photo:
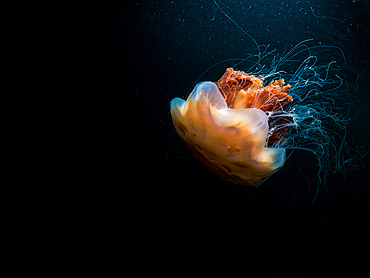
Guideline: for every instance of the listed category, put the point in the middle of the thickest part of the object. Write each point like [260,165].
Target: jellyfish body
[226,126]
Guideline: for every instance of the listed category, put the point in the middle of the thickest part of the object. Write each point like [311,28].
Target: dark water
[152,51]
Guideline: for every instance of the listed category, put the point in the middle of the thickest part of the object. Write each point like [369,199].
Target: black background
[148,52]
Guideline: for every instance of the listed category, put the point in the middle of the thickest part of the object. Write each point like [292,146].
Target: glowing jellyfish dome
[226,125]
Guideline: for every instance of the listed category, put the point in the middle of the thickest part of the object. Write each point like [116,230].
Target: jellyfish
[226,125]
[242,126]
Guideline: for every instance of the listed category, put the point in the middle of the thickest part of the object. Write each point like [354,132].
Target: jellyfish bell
[227,126]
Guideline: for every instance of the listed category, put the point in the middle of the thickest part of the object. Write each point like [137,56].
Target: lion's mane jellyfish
[241,126]
[232,126]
